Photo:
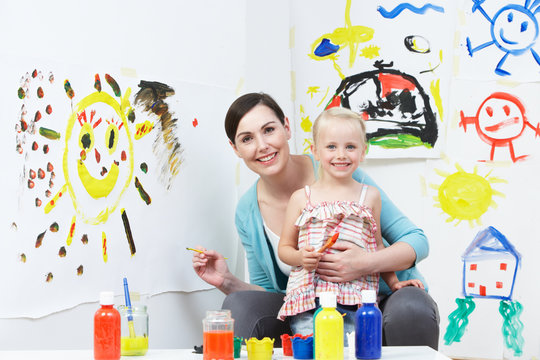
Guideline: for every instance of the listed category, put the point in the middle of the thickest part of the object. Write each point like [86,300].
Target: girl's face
[339,148]
[261,141]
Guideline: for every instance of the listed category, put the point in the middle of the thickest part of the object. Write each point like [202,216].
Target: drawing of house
[490,266]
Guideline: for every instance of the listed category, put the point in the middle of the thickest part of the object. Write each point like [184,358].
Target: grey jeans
[410,317]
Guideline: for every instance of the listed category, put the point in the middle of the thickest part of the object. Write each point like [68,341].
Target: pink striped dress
[317,223]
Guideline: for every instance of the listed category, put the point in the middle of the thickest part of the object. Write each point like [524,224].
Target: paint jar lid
[369,296]
[327,299]
[106,298]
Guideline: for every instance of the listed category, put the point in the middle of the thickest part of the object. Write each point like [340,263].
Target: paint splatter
[40,92]
[54,227]
[113,84]
[104,246]
[49,134]
[62,252]
[30,184]
[512,327]
[41,174]
[48,109]
[71,230]
[80,270]
[68,89]
[22,257]
[49,277]
[32,174]
[458,320]
[167,146]
[143,129]
[39,239]
[127,229]
[50,167]
[35,146]
[45,149]
[37,117]
[97,83]
[195,122]
[144,167]
[20,93]
[144,195]
[38,202]
[84,239]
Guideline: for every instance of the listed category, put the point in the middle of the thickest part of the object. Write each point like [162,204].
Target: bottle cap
[369,296]
[106,298]
[327,299]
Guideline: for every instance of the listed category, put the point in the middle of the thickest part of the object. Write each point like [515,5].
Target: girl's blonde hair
[326,117]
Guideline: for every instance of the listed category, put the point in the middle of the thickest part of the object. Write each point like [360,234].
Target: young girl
[334,204]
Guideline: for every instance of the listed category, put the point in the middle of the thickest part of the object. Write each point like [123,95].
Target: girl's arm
[288,250]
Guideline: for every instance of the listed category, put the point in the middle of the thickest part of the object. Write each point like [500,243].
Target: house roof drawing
[490,243]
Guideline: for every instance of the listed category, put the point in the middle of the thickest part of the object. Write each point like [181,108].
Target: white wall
[200,41]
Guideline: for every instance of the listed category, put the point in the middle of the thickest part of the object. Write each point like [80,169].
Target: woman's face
[261,141]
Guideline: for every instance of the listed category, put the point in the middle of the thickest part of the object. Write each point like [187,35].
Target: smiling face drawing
[98,157]
[501,117]
[514,29]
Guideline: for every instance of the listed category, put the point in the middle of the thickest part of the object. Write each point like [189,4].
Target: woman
[258,132]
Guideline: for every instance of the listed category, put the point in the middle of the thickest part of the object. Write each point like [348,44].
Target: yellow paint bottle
[328,329]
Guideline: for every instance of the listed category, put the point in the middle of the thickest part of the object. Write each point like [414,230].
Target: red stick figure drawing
[499,121]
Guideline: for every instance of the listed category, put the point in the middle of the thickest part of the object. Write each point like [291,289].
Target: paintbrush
[131,326]
[329,243]
[199,251]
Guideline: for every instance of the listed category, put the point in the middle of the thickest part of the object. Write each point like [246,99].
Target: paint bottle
[368,327]
[106,329]
[218,338]
[328,329]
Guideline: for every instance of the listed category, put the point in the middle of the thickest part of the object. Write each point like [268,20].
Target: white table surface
[388,353]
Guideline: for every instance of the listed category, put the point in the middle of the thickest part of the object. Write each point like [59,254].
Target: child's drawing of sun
[466,196]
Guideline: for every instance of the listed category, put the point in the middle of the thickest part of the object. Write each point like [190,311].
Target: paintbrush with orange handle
[329,243]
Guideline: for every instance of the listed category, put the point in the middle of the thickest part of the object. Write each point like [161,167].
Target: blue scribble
[326,48]
[417,10]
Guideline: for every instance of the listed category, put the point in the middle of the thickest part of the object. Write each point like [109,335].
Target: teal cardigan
[262,266]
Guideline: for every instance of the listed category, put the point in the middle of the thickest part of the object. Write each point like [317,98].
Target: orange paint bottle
[107,329]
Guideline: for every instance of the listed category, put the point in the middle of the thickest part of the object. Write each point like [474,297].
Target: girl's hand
[401,284]
[349,264]
[310,258]
[210,266]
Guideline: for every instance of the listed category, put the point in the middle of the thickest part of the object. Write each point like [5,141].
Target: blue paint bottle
[368,330]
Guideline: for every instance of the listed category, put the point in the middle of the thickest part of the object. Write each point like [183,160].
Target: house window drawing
[490,265]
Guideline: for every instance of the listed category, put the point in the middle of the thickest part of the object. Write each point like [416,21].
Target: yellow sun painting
[466,196]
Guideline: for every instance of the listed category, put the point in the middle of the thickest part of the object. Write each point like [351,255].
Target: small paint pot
[302,347]
[260,349]
[237,346]
[286,344]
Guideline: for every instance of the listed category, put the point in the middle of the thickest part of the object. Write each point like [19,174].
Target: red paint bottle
[107,329]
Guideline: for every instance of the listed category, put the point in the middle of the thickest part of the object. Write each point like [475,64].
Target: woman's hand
[310,258]
[210,266]
[350,263]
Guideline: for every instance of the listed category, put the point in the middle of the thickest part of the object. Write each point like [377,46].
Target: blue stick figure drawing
[514,30]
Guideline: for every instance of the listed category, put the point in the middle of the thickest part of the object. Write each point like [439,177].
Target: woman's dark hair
[243,105]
